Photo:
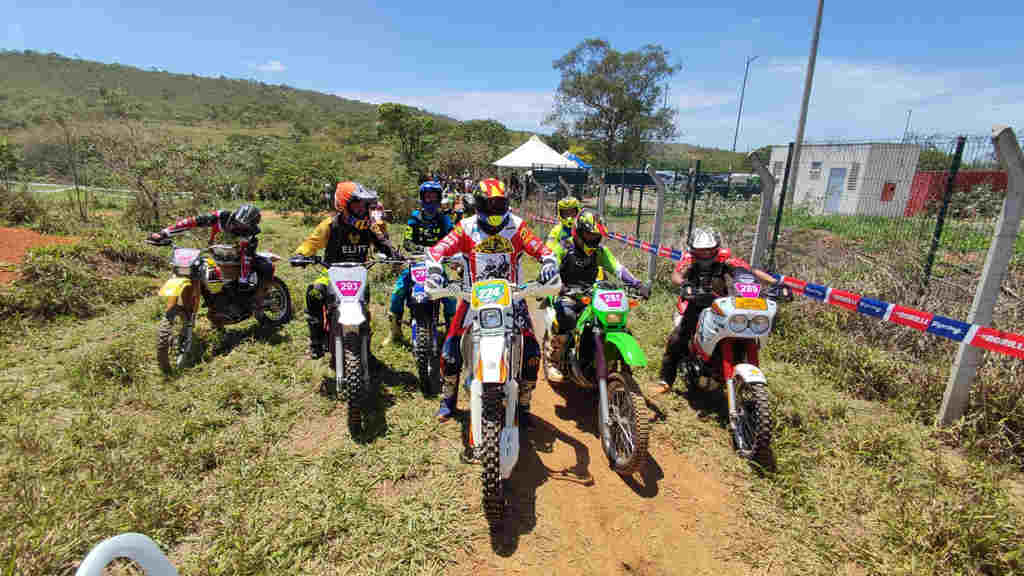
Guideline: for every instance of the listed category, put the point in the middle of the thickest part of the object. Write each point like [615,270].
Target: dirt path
[13,244]
[576,516]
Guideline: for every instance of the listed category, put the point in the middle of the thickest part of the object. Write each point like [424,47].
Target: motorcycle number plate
[348,287]
[419,274]
[751,304]
[490,292]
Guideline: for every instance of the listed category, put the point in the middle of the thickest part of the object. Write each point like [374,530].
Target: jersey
[580,271]
[559,234]
[491,255]
[724,263]
[343,243]
[216,221]
[426,233]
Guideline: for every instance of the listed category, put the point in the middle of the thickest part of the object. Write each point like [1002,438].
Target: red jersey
[492,255]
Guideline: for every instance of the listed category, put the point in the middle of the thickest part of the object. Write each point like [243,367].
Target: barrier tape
[982,337]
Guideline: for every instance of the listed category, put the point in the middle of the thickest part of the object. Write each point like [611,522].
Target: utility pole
[808,80]
[906,130]
[743,91]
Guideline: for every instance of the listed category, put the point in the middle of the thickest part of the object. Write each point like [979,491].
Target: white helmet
[704,244]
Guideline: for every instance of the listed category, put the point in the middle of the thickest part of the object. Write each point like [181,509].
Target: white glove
[547,273]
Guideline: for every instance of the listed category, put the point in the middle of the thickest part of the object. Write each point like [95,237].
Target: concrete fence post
[764,224]
[965,366]
[659,217]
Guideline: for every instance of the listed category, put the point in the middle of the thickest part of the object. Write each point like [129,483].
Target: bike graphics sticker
[419,274]
[611,300]
[490,292]
[348,287]
[185,256]
[747,289]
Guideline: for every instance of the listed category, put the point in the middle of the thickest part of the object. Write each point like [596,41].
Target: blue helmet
[430,209]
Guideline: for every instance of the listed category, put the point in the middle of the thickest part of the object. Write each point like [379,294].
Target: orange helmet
[491,204]
[353,202]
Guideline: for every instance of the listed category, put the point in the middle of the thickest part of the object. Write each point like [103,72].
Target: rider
[705,263]
[424,228]
[345,237]
[242,226]
[493,241]
[579,262]
[567,210]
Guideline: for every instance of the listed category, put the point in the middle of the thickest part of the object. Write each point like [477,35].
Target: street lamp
[742,93]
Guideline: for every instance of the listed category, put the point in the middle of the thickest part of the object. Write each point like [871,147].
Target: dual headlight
[757,324]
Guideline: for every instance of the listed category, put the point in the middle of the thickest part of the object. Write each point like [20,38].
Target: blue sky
[958,71]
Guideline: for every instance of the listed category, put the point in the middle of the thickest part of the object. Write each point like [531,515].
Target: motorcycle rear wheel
[277,305]
[174,340]
[630,427]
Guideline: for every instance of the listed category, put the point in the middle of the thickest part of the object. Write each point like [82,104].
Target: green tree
[490,133]
[412,134]
[614,98]
[8,164]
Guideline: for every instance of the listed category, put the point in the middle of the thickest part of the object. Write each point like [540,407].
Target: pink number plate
[747,290]
[611,299]
[348,287]
[419,274]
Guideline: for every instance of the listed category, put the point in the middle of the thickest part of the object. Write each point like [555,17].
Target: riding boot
[525,393]
[554,358]
[449,397]
[317,338]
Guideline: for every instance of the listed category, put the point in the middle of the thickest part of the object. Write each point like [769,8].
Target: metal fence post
[965,367]
[764,217]
[659,214]
[941,220]
[639,211]
[693,199]
[782,201]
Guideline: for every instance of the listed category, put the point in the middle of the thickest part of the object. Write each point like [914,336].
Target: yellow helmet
[568,209]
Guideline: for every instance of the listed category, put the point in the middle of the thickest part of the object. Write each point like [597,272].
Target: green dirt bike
[602,351]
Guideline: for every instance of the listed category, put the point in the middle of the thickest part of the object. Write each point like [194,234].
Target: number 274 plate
[751,304]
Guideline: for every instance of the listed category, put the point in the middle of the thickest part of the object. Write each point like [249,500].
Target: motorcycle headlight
[738,323]
[490,318]
[613,318]
[760,324]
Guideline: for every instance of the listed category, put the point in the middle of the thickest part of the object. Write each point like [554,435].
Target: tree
[8,164]
[614,98]
[413,134]
[491,133]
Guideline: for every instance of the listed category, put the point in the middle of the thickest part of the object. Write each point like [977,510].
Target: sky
[957,67]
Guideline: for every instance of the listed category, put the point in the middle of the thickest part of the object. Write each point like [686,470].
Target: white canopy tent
[535,153]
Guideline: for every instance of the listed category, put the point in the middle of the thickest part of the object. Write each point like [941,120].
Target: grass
[238,466]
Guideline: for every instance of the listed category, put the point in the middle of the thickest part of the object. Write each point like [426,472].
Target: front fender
[175,286]
[351,314]
[749,373]
[628,348]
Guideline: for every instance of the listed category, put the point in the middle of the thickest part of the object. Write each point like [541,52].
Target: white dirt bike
[496,358]
[348,331]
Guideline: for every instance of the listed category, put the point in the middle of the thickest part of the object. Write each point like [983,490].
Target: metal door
[834,191]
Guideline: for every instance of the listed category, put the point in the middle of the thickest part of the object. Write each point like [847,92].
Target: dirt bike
[427,339]
[211,274]
[601,350]
[724,350]
[348,334]
[496,358]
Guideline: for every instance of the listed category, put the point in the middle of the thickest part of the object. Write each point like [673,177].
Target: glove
[548,272]
[298,260]
[686,291]
[643,290]
[160,236]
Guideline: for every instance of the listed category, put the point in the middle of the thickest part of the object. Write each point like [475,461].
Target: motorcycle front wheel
[752,433]
[174,338]
[490,459]
[354,384]
[629,428]
[426,333]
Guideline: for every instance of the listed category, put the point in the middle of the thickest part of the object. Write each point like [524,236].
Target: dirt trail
[573,515]
[13,244]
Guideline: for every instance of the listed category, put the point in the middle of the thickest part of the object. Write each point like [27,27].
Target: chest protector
[347,244]
[427,232]
[578,270]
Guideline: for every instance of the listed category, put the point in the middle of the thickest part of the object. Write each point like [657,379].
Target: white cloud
[271,66]
[516,110]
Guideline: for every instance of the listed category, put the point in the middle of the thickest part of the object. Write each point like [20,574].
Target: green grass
[238,466]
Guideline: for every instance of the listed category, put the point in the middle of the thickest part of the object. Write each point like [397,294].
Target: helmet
[704,245]
[491,205]
[429,209]
[446,203]
[568,209]
[353,201]
[588,230]
[244,221]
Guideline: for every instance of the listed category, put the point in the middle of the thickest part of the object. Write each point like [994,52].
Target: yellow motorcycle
[212,276]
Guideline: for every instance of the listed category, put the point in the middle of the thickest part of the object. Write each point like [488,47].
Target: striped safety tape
[974,335]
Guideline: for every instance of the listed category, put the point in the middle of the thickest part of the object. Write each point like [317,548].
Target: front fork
[603,417]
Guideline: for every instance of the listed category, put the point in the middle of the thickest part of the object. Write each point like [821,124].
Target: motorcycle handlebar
[518,291]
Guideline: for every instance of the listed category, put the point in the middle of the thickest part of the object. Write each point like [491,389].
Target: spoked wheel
[425,335]
[277,305]
[752,432]
[494,494]
[174,339]
[354,384]
[629,425]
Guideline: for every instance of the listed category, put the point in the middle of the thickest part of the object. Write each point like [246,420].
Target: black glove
[298,260]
